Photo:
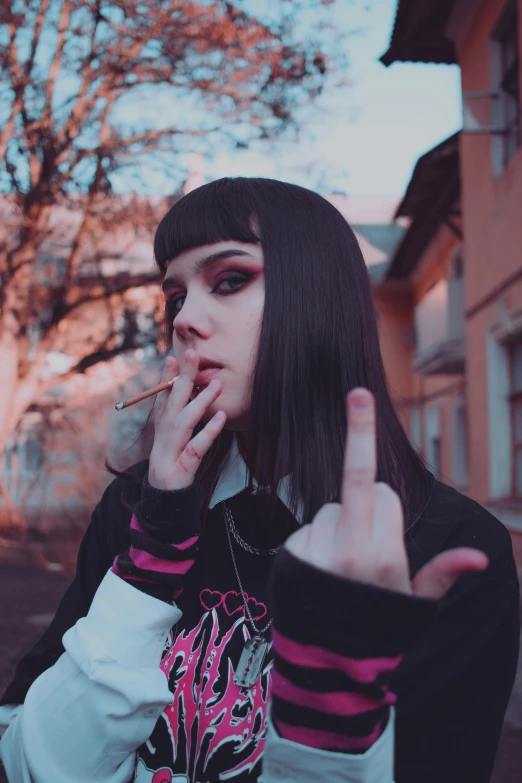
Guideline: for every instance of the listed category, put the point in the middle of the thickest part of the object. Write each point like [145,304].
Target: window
[9,453]
[33,338]
[505,66]
[431,317]
[458,265]
[436,456]
[415,429]
[498,415]
[456,308]
[515,399]
[33,454]
[432,439]
[460,444]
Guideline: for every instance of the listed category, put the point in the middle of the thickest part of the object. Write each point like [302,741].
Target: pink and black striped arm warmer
[336,642]
[165,528]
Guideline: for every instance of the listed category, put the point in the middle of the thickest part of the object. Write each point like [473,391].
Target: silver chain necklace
[255,648]
[232,528]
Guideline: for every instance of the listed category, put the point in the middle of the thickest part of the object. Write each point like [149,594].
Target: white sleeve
[8,713]
[84,718]
[285,761]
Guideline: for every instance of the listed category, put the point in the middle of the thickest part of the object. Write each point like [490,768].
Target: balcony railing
[446,357]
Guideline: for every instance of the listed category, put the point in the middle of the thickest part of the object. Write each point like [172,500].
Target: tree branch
[239,68]
[44,6]
[63,24]
[18,87]
[99,292]
[128,283]
[84,105]
[101,354]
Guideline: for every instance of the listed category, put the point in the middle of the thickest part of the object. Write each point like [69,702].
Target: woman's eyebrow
[204,263]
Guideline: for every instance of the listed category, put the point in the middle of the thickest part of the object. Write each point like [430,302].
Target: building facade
[464,276]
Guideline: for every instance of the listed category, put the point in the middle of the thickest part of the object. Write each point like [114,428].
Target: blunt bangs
[217,212]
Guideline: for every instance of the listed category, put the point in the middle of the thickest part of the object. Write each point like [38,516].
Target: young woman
[283,591]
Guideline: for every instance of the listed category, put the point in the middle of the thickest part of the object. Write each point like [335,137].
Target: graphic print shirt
[215,729]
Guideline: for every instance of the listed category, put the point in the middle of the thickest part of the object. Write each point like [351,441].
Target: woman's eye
[235,281]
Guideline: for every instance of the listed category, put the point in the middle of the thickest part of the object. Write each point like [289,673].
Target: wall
[425,404]
[493,252]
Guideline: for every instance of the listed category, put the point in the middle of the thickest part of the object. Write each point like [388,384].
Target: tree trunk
[10,360]
[15,397]
[12,523]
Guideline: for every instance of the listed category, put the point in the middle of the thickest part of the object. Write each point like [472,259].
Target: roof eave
[419,33]
[441,54]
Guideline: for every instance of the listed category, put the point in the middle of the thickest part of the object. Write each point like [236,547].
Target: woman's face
[215,296]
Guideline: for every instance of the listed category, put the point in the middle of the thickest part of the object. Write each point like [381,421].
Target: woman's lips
[204,377]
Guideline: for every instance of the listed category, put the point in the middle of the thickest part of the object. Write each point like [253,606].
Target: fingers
[184,384]
[195,410]
[170,370]
[390,560]
[360,464]
[313,543]
[176,398]
[176,455]
[439,575]
[298,543]
[196,449]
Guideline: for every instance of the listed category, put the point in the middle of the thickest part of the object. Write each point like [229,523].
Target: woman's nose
[191,318]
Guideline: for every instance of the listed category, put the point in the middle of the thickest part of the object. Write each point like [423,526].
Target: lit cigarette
[143,396]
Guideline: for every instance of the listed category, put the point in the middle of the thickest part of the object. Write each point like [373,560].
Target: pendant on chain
[251,661]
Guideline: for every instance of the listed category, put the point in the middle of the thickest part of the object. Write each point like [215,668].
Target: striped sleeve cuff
[164,534]
[335,643]
[283,760]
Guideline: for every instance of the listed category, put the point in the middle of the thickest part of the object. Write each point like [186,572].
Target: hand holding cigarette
[176,455]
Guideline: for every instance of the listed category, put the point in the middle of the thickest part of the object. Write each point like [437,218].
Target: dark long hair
[318,340]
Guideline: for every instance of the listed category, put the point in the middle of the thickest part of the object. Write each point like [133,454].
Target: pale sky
[364,138]
[374,132]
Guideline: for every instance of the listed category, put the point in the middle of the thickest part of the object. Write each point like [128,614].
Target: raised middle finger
[360,464]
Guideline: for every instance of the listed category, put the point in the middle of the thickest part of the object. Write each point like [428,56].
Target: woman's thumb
[436,578]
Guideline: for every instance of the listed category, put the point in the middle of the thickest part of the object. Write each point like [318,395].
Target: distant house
[477,440]
[421,298]
[52,469]
[372,219]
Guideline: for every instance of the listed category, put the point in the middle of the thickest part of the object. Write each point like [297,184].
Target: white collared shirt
[233,479]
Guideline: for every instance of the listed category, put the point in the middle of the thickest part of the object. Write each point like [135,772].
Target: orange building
[420,301]
[456,277]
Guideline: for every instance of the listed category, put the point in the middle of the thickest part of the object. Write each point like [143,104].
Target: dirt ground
[29,595]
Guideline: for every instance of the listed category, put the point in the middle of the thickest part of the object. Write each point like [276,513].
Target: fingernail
[360,400]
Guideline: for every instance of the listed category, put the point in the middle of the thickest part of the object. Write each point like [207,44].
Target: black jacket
[452,687]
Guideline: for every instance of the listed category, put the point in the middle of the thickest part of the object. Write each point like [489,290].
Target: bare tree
[65,68]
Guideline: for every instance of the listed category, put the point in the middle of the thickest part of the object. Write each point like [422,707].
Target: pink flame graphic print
[209,711]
